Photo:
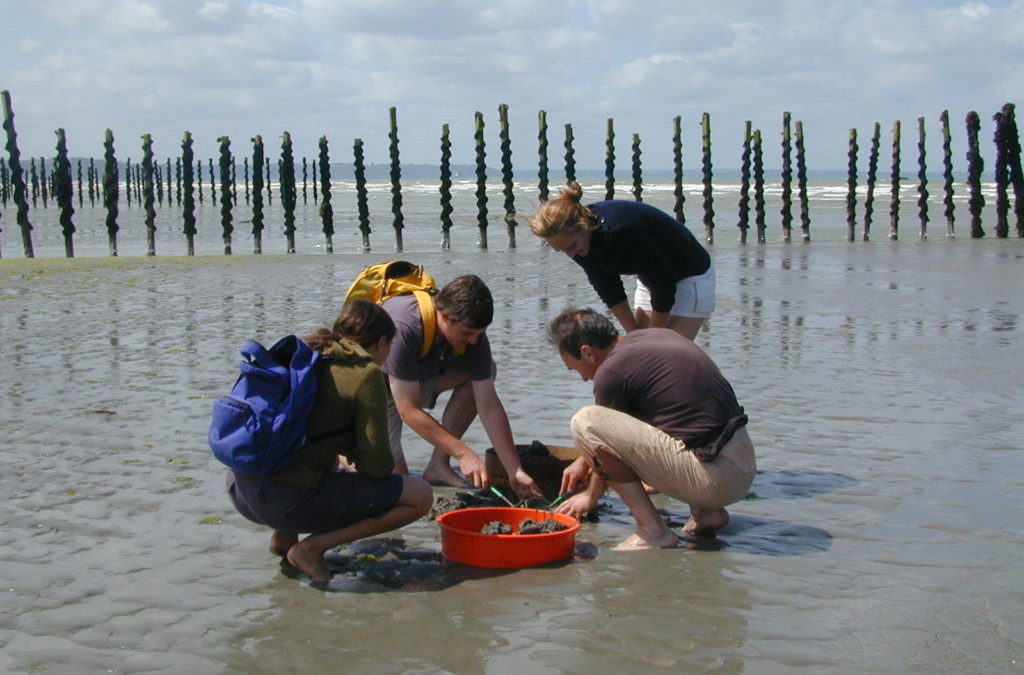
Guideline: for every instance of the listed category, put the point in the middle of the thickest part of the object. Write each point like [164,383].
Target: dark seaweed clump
[496,527]
[530,526]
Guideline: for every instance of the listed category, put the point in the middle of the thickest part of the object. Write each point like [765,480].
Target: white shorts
[695,296]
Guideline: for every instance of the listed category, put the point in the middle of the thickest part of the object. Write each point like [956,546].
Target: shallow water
[883,382]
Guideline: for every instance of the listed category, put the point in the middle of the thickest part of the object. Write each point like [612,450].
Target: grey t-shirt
[405,362]
[665,380]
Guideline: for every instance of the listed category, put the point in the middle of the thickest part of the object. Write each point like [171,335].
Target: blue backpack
[259,426]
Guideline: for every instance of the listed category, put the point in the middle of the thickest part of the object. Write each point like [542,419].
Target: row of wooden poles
[145,181]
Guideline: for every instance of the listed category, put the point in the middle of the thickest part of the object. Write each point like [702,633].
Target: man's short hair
[466,300]
[573,328]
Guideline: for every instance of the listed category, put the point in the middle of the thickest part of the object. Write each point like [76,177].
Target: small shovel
[503,497]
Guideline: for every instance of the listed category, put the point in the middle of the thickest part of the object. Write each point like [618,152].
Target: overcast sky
[335,67]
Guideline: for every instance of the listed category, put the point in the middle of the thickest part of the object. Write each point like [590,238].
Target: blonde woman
[675,277]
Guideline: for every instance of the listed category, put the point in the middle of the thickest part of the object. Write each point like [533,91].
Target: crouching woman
[317,493]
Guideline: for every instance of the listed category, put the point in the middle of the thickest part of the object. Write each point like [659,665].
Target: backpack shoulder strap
[429,316]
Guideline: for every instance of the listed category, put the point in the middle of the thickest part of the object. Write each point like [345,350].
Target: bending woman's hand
[577,506]
[473,468]
[524,485]
[574,475]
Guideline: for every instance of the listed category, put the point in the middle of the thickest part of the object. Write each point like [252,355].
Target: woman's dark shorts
[342,499]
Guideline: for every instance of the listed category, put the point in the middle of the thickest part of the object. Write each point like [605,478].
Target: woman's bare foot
[637,542]
[281,542]
[310,562]
[704,522]
[442,474]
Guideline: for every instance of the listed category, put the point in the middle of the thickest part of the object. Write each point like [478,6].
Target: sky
[334,68]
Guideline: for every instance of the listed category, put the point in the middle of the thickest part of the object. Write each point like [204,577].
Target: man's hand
[473,468]
[577,506]
[576,474]
[524,485]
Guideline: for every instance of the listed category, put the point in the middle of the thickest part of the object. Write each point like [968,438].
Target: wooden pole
[110,191]
[609,161]
[188,211]
[225,191]
[326,210]
[851,187]
[481,180]
[744,215]
[1014,156]
[289,196]
[975,167]
[709,211]
[62,188]
[446,188]
[922,180]
[637,178]
[570,156]
[147,193]
[1002,176]
[398,221]
[947,173]
[787,180]
[869,199]
[542,156]
[801,183]
[759,219]
[506,175]
[258,158]
[361,194]
[894,205]
[677,165]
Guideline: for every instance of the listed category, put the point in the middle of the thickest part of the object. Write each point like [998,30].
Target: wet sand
[883,382]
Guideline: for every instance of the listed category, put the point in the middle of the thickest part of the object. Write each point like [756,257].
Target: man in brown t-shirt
[458,360]
[665,416]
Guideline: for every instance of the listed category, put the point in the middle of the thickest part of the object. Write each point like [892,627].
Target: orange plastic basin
[462,541]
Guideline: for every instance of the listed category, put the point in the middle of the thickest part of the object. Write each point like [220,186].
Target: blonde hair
[563,214]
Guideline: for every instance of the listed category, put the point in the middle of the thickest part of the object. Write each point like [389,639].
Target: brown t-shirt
[405,361]
[665,380]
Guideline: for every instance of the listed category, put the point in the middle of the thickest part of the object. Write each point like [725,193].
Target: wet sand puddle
[881,533]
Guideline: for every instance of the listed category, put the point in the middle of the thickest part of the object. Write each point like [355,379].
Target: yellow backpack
[379,282]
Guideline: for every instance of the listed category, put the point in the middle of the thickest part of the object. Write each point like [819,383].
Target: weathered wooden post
[110,190]
[128,182]
[267,182]
[305,177]
[1016,173]
[188,210]
[158,184]
[44,181]
[257,194]
[787,180]
[609,161]
[316,190]
[1002,176]
[570,155]
[170,184]
[225,191]
[894,205]
[147,193]
[542,156]
[177,179]
[234,182]
[361,197]
[759,220]
[851,187]
[637,178]
[869,199]
[744,215]
[199,180]
[92,181]
[396,172]
[213,178]
[245,175]
[947,173]
[33,181]
[62,192]
[81,192]
[677,166]
[481,180]
[17,177]
[709,211]
[975,167]
[446,188]
[922,179]
[506,175]
[289,198]
[801,183]
[326,210]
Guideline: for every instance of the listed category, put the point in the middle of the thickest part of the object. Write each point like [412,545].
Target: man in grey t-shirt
[459,360]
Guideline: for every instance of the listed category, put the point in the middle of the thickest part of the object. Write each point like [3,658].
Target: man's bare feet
[441,474]
[281,542]
[312,563]
[704,522]
[637,542]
